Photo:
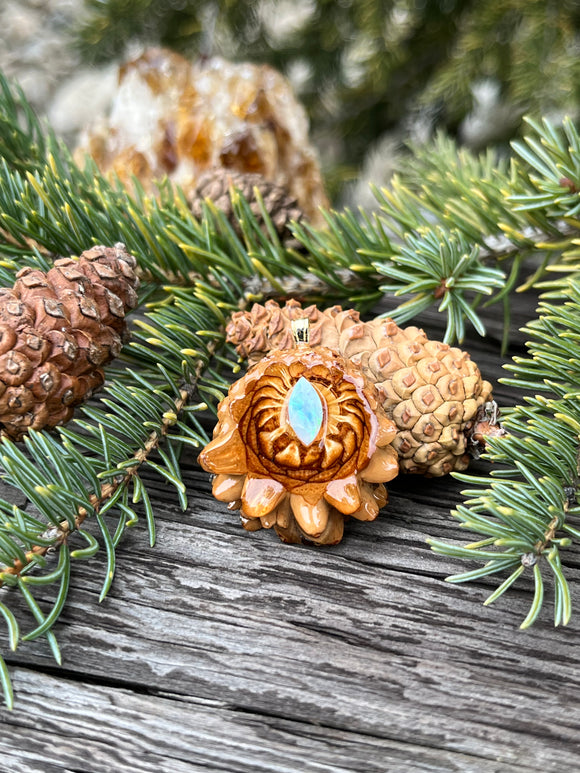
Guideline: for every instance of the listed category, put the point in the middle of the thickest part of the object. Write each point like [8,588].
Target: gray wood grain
[142,733]
[225,650]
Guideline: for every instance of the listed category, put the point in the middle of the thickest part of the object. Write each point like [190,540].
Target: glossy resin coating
[302,442]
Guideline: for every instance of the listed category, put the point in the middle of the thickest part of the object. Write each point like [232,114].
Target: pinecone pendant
[434,393]
[301,444]
[57,330]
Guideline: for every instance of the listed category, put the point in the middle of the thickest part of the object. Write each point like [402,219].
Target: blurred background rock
[372,74]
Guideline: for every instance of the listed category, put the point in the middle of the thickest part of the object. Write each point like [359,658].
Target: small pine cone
[433,392]
[57,329]
[282,208]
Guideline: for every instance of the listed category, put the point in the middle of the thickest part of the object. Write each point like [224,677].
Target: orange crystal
[171,117]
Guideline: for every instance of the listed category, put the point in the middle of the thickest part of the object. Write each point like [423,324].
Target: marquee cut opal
[305,411]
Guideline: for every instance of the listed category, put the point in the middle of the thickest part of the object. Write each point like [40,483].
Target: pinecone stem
[485,425]
[549,535]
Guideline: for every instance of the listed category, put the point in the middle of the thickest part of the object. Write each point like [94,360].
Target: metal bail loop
[301,330]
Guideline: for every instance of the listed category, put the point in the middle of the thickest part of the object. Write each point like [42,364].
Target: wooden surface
[222,650]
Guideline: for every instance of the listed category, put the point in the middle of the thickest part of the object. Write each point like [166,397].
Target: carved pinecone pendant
[433,392]
[57,330]
[301,444]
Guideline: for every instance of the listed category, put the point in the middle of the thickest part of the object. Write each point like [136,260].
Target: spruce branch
[439,265]
[54,206]
[60,534]
[485,201]
[147,413]
[93,472]
[491,202]
[485,215]
[527,510]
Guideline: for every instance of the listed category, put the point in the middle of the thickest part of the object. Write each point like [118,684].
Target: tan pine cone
[57,330]
[433,392]
[281,207]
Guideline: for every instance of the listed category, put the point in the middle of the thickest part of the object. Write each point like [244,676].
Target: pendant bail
[301,330]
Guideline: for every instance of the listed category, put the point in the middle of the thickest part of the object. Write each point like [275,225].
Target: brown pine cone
[57,330]
[265,328]
[433,392]
[282,208]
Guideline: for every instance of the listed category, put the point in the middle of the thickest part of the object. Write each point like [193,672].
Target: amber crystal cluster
[302,443]
[174,118]
[432,391]
[57,330]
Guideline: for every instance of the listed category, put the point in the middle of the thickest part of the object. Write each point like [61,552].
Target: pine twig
[549,536]
[108,489]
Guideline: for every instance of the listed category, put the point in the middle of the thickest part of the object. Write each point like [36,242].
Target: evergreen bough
[454,231]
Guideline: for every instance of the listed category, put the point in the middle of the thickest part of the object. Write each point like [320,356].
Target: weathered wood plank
[154,734]
[321,636]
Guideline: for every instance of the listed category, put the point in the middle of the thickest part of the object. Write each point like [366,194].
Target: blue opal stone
[305,411]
